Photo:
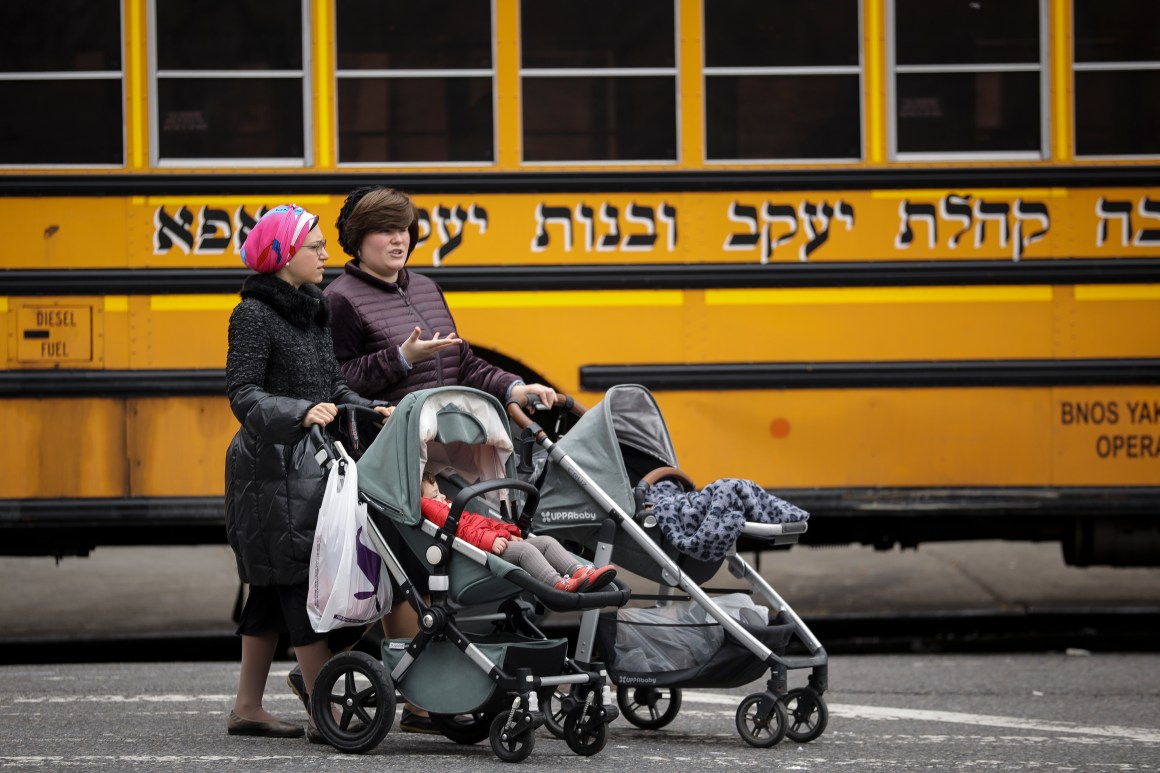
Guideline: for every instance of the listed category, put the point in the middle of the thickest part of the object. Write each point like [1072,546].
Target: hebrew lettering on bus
[449,224]
[1120,212]
[168,231]
[208,232]
[813,220]
[966,215]
[601,227]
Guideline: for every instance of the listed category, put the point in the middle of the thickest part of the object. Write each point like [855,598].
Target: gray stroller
[588,499]
[475,685]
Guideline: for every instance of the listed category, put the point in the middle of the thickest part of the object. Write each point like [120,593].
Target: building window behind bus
[415,84]
[1117,77]
[968,78]
[598,80]
[230,82]
[61,83]
[782,80]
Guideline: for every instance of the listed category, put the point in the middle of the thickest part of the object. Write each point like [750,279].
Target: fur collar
[300,307]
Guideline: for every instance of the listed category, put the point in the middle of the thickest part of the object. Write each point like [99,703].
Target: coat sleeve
[478,373]
[274,418]
[367,373]
[472,528]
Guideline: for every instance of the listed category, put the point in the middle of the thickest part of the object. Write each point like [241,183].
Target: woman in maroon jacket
[393,335]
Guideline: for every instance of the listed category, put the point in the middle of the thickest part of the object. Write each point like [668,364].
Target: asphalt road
[894,714]
[1069,707]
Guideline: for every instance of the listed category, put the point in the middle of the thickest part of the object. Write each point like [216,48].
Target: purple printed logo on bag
[371,565]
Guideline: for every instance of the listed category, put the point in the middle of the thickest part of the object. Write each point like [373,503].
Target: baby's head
[430,487]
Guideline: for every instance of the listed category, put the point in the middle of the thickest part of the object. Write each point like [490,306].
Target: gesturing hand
[416,350]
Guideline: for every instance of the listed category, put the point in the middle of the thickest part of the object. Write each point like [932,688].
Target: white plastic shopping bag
[348,583]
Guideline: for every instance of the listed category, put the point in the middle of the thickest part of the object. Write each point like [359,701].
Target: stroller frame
[763,719]
[509,711]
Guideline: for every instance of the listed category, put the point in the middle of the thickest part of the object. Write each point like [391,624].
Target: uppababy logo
[568,516]
[637,680]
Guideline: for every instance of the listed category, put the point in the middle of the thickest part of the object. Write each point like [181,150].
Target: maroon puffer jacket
[371,318]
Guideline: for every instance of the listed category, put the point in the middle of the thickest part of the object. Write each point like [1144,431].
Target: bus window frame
[859,69]
[304,75]
[673,72]
[388,74]
[1109,66]
[76,75]
[893,70]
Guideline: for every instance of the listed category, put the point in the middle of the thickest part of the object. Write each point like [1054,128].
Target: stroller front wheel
[512,743]
[585,731]
[807,714]
[761,720]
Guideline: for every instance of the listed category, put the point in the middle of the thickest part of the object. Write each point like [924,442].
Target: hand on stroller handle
[326,453]
[519,413]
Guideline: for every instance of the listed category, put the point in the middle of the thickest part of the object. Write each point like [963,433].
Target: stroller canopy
[629,416]
[454,427]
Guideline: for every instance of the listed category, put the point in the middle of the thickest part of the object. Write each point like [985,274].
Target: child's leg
[559,559]
[526,554]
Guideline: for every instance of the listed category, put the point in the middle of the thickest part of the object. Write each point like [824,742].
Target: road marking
[886,713]
[845,711]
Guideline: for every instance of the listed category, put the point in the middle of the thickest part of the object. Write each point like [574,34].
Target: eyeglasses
[317,246]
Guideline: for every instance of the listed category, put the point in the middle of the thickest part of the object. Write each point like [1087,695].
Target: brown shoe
[235,725]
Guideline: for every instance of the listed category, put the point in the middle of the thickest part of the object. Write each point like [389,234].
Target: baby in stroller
[542,557]
[704,523]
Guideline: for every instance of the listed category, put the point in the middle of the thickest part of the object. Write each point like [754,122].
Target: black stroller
[474,685]
[587,499]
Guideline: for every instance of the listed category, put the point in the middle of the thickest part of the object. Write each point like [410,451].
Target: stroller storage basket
[696,654]
[427,683]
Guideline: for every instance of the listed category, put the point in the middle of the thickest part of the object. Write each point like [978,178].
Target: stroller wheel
[807,713]
[555,704]
[585,731]
[649,708]
[761,726]
[464,728]
[512,744]
[353,704]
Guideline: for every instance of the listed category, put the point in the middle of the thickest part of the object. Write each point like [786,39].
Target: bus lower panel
[1094,526]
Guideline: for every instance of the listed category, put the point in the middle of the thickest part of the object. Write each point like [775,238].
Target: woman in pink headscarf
[281,377]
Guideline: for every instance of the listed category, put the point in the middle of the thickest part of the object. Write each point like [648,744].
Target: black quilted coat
[280,363]
[372,318]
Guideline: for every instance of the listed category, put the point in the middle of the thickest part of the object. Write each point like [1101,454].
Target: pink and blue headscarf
[275,238]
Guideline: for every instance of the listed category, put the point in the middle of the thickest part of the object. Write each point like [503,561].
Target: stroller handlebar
[519,413]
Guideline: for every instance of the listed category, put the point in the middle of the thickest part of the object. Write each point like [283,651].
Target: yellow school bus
[896,260]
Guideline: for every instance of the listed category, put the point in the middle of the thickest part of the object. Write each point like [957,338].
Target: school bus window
[229,81]
[782,80]
[598,81]
[411,91]
[47,85]
[968,78]
[1117,77]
